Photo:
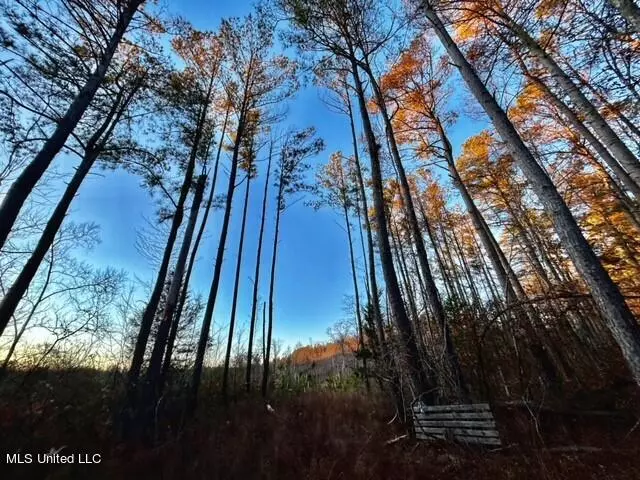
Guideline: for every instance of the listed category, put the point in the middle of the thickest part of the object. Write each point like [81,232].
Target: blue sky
[312,270]
[313,274]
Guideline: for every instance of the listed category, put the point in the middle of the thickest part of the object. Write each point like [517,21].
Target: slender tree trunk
[356,292]
[486,236]
[524,235]
[404,278]
[464,265]
[363,246]
[264,332]
[256,275]
[606,294]
[491,288]
[622,118]
[448,256]
[433,297]
[629,206]
[27,320]
[421,379]
[192,397]
[94,147]
[599,125]
[506,277]
[510,284]
[542,248]
[153,377]
[620,174]
[272,281]
[374,299]
[194,253]
[20,285]
[152,306]
[23,186]
[420,282]
[436,248]
[236,286]
[412,294]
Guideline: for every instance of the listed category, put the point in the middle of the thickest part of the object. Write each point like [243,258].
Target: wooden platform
[472,423]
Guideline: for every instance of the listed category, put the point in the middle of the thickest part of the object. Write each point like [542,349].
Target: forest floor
[320,435]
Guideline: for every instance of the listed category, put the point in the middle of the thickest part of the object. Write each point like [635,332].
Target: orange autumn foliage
[322,351]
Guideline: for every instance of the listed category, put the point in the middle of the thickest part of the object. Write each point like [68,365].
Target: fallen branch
[575,449]
[631,431]
[394,440]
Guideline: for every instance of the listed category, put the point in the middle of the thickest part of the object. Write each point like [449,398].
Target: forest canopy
[479,162]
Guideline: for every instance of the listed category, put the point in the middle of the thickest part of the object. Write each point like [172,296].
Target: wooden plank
[480,440]
[456,423]
[455,416]
[464,439]
[421,407]
[429,436]
[459,431]
[428,418]
[471,423]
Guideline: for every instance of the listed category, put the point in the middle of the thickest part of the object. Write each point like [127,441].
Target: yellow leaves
[595,220]
[468,30]
[200,50]
[475,151]
[479,145]
[425,150]
[612,110]
[547,8]
[401,71]
[619,218]
[606,225]
[253,117]
[417,89]
[527,103]
[467,25]
[489,173]
[435,200]
[634,45]
[549,39]
[410,63]
[471,23]
[408,66]
[372,106]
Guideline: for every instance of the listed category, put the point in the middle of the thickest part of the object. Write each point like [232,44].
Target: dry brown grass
[344,436]
[331,436]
